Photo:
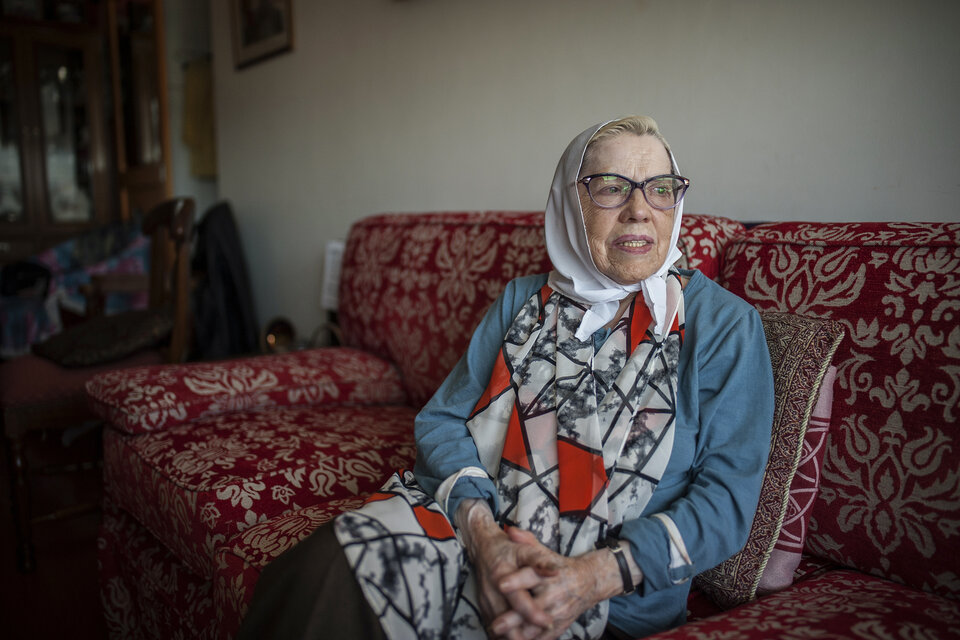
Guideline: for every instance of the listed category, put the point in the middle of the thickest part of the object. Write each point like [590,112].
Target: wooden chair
[38,394]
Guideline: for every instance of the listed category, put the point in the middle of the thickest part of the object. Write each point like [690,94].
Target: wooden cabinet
[83,118]
[55,155]
[138,72]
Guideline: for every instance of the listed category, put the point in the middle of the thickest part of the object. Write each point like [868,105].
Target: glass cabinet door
[56,165]
[11,171]
[139,94]
[65,125]
[139,84]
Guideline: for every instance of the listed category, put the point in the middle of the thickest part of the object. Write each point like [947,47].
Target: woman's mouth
[634,244]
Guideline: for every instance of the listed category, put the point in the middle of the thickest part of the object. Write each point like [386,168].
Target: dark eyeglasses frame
[585,181]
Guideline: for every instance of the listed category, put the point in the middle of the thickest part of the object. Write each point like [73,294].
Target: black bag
[24,278]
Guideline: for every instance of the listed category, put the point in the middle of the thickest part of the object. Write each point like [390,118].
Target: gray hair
[637,125]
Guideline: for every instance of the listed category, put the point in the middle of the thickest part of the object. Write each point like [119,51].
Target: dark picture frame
[261,29]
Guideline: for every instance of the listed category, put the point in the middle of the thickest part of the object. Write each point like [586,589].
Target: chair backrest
[170,228]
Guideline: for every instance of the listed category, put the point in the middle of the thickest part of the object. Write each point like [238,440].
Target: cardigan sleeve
[730,376]
[444,445]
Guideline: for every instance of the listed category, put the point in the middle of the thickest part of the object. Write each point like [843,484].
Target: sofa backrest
[889,500]
[414,286]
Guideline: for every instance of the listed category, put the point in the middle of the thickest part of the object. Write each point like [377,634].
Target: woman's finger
[551,634]
[492,603]
[525,578]
[523,603]
[522,536]
[545,562]
[526,540]
[506,622]
[523,630]
[533,553]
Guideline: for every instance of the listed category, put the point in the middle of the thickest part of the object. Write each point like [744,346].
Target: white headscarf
[575,274]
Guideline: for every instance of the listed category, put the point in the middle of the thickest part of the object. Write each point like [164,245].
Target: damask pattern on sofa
[208,480]
[215,477]
[838,604]
[146,591]
[890,502]
[144,400]
[455,265]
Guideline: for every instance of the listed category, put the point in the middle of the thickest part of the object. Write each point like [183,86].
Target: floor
[61,598]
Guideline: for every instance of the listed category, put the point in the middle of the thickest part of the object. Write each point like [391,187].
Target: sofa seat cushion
[195,486]
[888,501]
[152,398]
[837,604]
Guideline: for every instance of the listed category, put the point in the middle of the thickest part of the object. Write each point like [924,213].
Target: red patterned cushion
[152,398]
[241,560]
[197,485]
[889,502]
[785,556]
[800,352]
[702,239]
[700,606]
[414,287]
[838,604]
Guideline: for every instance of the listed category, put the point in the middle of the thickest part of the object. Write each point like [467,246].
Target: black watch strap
[614,545]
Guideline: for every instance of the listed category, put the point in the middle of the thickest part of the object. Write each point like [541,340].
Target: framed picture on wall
[261,28]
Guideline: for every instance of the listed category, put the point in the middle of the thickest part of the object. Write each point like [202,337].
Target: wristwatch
[614,545]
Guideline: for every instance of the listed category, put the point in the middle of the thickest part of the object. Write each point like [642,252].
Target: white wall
[777,110]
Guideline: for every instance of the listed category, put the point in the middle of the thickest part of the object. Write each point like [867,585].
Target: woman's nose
[636,208]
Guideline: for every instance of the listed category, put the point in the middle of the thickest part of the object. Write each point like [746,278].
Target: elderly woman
[602,440]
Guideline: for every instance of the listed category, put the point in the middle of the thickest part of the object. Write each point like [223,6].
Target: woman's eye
[660,189]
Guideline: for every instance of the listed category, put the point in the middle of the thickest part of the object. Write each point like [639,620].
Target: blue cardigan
[712,483]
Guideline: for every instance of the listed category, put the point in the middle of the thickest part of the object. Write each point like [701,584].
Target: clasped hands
[526,590]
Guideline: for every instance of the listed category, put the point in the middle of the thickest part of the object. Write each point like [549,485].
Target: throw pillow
[800,352]
[147,399]
[106,338]
[785,557]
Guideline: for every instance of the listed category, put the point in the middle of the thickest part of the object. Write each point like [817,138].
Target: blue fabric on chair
[26,320]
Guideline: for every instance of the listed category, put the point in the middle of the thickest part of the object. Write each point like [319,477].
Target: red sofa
[213,469]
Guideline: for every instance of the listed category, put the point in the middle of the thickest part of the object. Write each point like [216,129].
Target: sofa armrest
[148,399]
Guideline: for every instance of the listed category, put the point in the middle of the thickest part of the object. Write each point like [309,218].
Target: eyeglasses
[611,190]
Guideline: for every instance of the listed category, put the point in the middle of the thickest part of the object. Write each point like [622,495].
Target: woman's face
[630,242]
